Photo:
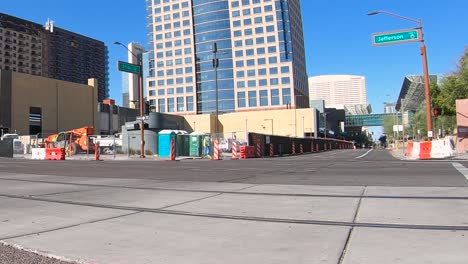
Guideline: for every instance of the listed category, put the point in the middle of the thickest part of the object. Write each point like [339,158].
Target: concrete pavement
[128,220]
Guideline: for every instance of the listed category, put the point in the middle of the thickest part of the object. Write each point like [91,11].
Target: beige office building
[226,56]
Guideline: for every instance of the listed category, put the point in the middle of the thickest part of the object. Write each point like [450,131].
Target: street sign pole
[404,36]
[136,69]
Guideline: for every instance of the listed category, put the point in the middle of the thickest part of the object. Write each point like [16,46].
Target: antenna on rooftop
[49,25]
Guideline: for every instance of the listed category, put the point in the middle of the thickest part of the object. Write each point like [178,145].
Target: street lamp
[140,96]
[215,66]
[425,67]
[270,119]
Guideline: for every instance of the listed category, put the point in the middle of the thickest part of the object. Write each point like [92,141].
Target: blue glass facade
[212,25]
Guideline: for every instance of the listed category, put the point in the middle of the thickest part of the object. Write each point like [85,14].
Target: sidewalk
[231,223]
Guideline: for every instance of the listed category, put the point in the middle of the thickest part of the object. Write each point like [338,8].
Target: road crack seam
[346,245]
[187,202]
[70,226]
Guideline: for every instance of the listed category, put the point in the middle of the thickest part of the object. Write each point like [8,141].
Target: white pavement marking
[363,155]
[461,169]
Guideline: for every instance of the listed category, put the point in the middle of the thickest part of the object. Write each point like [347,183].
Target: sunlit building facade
[53,52]
[259,47]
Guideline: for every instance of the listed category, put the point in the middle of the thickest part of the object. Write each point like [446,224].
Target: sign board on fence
[398,128]
[396,37]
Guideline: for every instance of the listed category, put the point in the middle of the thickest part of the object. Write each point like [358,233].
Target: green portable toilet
[196,144]
[183,146]
[164,142]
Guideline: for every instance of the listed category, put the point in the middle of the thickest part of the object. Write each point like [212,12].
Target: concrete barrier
[436,149]
[38,153]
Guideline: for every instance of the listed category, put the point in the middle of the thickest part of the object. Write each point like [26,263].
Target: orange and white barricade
[216,150]
[173,150]
[234,150]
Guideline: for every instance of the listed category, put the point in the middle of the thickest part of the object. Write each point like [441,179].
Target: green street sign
[129,67]
[396,37]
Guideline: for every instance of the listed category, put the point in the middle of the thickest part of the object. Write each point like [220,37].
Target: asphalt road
[337,207]
[339,168]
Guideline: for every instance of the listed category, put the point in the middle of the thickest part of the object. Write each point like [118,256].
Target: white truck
[109,144]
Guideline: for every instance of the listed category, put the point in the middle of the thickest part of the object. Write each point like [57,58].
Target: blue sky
[337,35]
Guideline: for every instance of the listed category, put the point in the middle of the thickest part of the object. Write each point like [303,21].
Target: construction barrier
[173,150]
[234,150]
[250,152]
[409,149]
[97,151]
[55,154]
[293,152]
[301,149]
[38,153]
[436,149]
[216,150]
[425,151]
[258,150]
[243,152]
[272,150]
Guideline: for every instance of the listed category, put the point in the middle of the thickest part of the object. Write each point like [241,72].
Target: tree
[388,123]
[453,87]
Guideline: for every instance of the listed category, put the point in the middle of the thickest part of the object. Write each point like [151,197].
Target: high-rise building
[52,52]
[246,55]
[340,91]
[389,108]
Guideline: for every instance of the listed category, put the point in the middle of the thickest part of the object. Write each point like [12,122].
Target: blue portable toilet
[164,142]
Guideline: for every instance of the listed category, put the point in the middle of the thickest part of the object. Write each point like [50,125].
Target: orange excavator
[75,140]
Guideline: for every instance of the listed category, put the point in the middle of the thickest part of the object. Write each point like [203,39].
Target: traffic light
[436,111]
[147,108]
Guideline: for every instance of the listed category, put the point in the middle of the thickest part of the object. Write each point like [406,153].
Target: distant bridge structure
[369,120]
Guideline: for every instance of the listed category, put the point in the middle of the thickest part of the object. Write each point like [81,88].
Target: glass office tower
[259,47]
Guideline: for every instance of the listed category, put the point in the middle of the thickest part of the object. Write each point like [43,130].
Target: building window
[189,103]
[274,93]
[241,99]
[161,106]
[180,104]
[286,96]
[252,98]
[263,97]
[170,105]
